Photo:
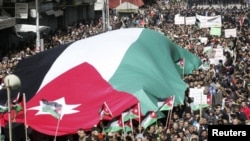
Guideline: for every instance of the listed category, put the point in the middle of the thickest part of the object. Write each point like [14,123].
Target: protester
[82,135]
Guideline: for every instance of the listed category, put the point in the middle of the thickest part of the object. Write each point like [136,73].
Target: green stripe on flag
[149,66]
[51,111]
[113,126]
[17,107]
[3,109]
[148,121]
[197,106]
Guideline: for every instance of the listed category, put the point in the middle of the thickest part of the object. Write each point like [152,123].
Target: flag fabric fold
[80,102]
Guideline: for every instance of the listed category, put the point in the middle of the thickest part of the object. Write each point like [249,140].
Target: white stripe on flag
[104,52]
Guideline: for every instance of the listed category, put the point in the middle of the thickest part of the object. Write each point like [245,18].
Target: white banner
[216,55]
[22,10]
[209,21]
[179,19]
[190,20]
[198,96]
[230,33]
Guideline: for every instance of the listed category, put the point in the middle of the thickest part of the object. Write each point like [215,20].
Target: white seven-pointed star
[66,109]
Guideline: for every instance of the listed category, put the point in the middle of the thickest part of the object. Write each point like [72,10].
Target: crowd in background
[228,81]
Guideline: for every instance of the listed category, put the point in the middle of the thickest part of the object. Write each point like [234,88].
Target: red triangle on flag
[153,114]
[105,112]
[81,103]
[181,61]
[120,122]
[128,123]
[170,101]
[136,110]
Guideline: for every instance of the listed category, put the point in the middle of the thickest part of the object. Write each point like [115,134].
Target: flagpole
[183,70]
[201,105]
[167,119]
[168,116]
[171,112]
[57,126]
[123,126]
[104,16]
[14,118]
[131,123]
[139,113]
[170,119]
[25,117]
[157,126]
[108,109]
[16,101]
[0,130]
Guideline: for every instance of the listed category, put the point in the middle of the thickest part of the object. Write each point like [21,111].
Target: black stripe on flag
[36,67]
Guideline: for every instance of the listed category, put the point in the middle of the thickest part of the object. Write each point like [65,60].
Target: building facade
[52,13]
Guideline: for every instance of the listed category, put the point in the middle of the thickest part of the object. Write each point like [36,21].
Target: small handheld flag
[52,108]
[167,104]
[105,112]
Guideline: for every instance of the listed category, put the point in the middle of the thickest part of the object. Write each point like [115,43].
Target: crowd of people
[228,81]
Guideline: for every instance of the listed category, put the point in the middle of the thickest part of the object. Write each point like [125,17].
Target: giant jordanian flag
[120,67]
